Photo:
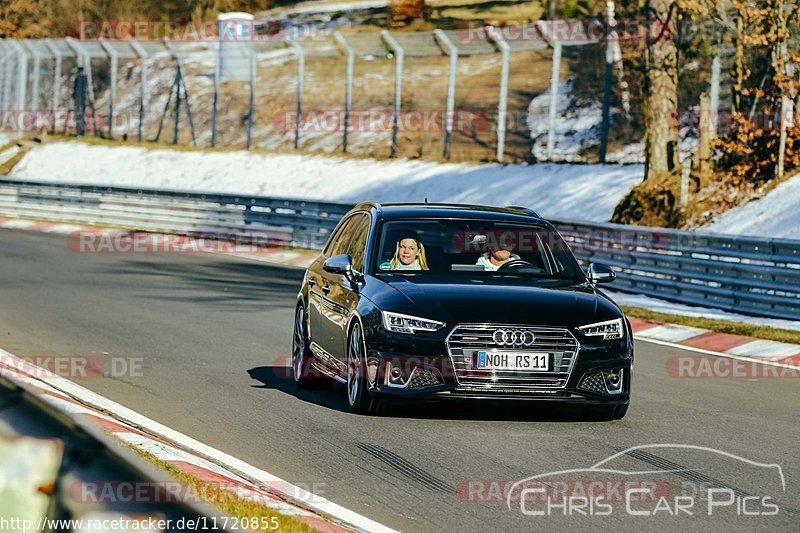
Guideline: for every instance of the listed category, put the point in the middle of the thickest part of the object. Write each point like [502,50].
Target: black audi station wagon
[421,302]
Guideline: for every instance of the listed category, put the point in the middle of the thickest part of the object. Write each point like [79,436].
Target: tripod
[178,86]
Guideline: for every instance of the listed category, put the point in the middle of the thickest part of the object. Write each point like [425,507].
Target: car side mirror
[599,273]
[342,264]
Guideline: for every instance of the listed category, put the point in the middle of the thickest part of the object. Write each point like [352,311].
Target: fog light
[394,376]
[613,379]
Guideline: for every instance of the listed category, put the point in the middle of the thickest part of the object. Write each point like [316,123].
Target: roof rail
[526,210]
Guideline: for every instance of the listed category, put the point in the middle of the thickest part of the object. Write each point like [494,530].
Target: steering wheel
[516,263]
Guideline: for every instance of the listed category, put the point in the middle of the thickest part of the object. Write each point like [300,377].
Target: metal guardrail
[749,275]
[240,218]
[58,470]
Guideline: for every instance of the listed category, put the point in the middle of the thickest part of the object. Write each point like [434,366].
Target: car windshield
[488,247]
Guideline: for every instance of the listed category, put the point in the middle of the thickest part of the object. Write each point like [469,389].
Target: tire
[360,400]
[304,375]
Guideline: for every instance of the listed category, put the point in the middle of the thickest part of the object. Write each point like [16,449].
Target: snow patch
[577,128]
[774,215]
[573,191]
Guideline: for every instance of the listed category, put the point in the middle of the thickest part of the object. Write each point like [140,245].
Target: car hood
[495,300]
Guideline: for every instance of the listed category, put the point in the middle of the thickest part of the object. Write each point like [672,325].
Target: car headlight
[398,323]
[611,329]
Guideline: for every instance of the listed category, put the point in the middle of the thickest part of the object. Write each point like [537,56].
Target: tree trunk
[553,9]
[661,91]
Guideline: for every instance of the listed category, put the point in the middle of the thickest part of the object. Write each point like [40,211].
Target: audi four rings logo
[513,337]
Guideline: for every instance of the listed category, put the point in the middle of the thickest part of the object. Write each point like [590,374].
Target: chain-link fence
[553,90]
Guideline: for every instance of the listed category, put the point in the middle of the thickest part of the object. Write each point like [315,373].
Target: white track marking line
[237,466]
[716,354]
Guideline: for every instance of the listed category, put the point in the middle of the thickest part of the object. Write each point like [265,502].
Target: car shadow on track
[280,378]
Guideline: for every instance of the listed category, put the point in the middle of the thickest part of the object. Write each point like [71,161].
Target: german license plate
[532,361]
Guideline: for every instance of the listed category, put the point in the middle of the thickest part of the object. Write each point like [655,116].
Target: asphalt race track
[209,338]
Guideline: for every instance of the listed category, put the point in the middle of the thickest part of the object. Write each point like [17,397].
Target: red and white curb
[184,453]
[707,342]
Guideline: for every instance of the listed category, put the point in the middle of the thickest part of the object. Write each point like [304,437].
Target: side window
[336,237]
[343,238]
[358,244]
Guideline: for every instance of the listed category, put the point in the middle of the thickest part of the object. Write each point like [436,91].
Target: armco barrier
[749,275]
[49,457]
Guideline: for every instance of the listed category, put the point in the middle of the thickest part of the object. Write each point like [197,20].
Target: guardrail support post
[139,49]
[300,53]
[555,79]
[452,52]
[399,55]
[495,36]
[348,88]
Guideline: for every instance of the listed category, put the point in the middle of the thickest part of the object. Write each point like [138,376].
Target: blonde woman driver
[408,255]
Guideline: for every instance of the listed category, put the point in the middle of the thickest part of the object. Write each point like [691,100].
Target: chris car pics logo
[682,481]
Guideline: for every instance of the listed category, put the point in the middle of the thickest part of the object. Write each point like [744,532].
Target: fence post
[56,78]
[300,53]
[251,108]
[787,117]
[399,54]
[716,66]
[139,49]
[8,66]
[495,36]
[555,78]
[452,51]
[36,74]
[22,75]
[704,142]
[217,75]
[112,55]
[348,88]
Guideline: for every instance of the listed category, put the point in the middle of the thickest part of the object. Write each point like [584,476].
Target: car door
[343,295]
[326,293]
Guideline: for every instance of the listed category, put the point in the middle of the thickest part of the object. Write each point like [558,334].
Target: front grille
[466,339]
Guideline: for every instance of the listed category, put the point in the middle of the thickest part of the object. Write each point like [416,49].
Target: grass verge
[719,326]
[227,501]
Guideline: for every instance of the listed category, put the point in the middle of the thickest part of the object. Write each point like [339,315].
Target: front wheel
[360,399]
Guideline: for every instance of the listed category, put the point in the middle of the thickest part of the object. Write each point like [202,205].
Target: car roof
[401,211]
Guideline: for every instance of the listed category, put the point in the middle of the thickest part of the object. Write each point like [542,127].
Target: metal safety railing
[62,474]
[749,275]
